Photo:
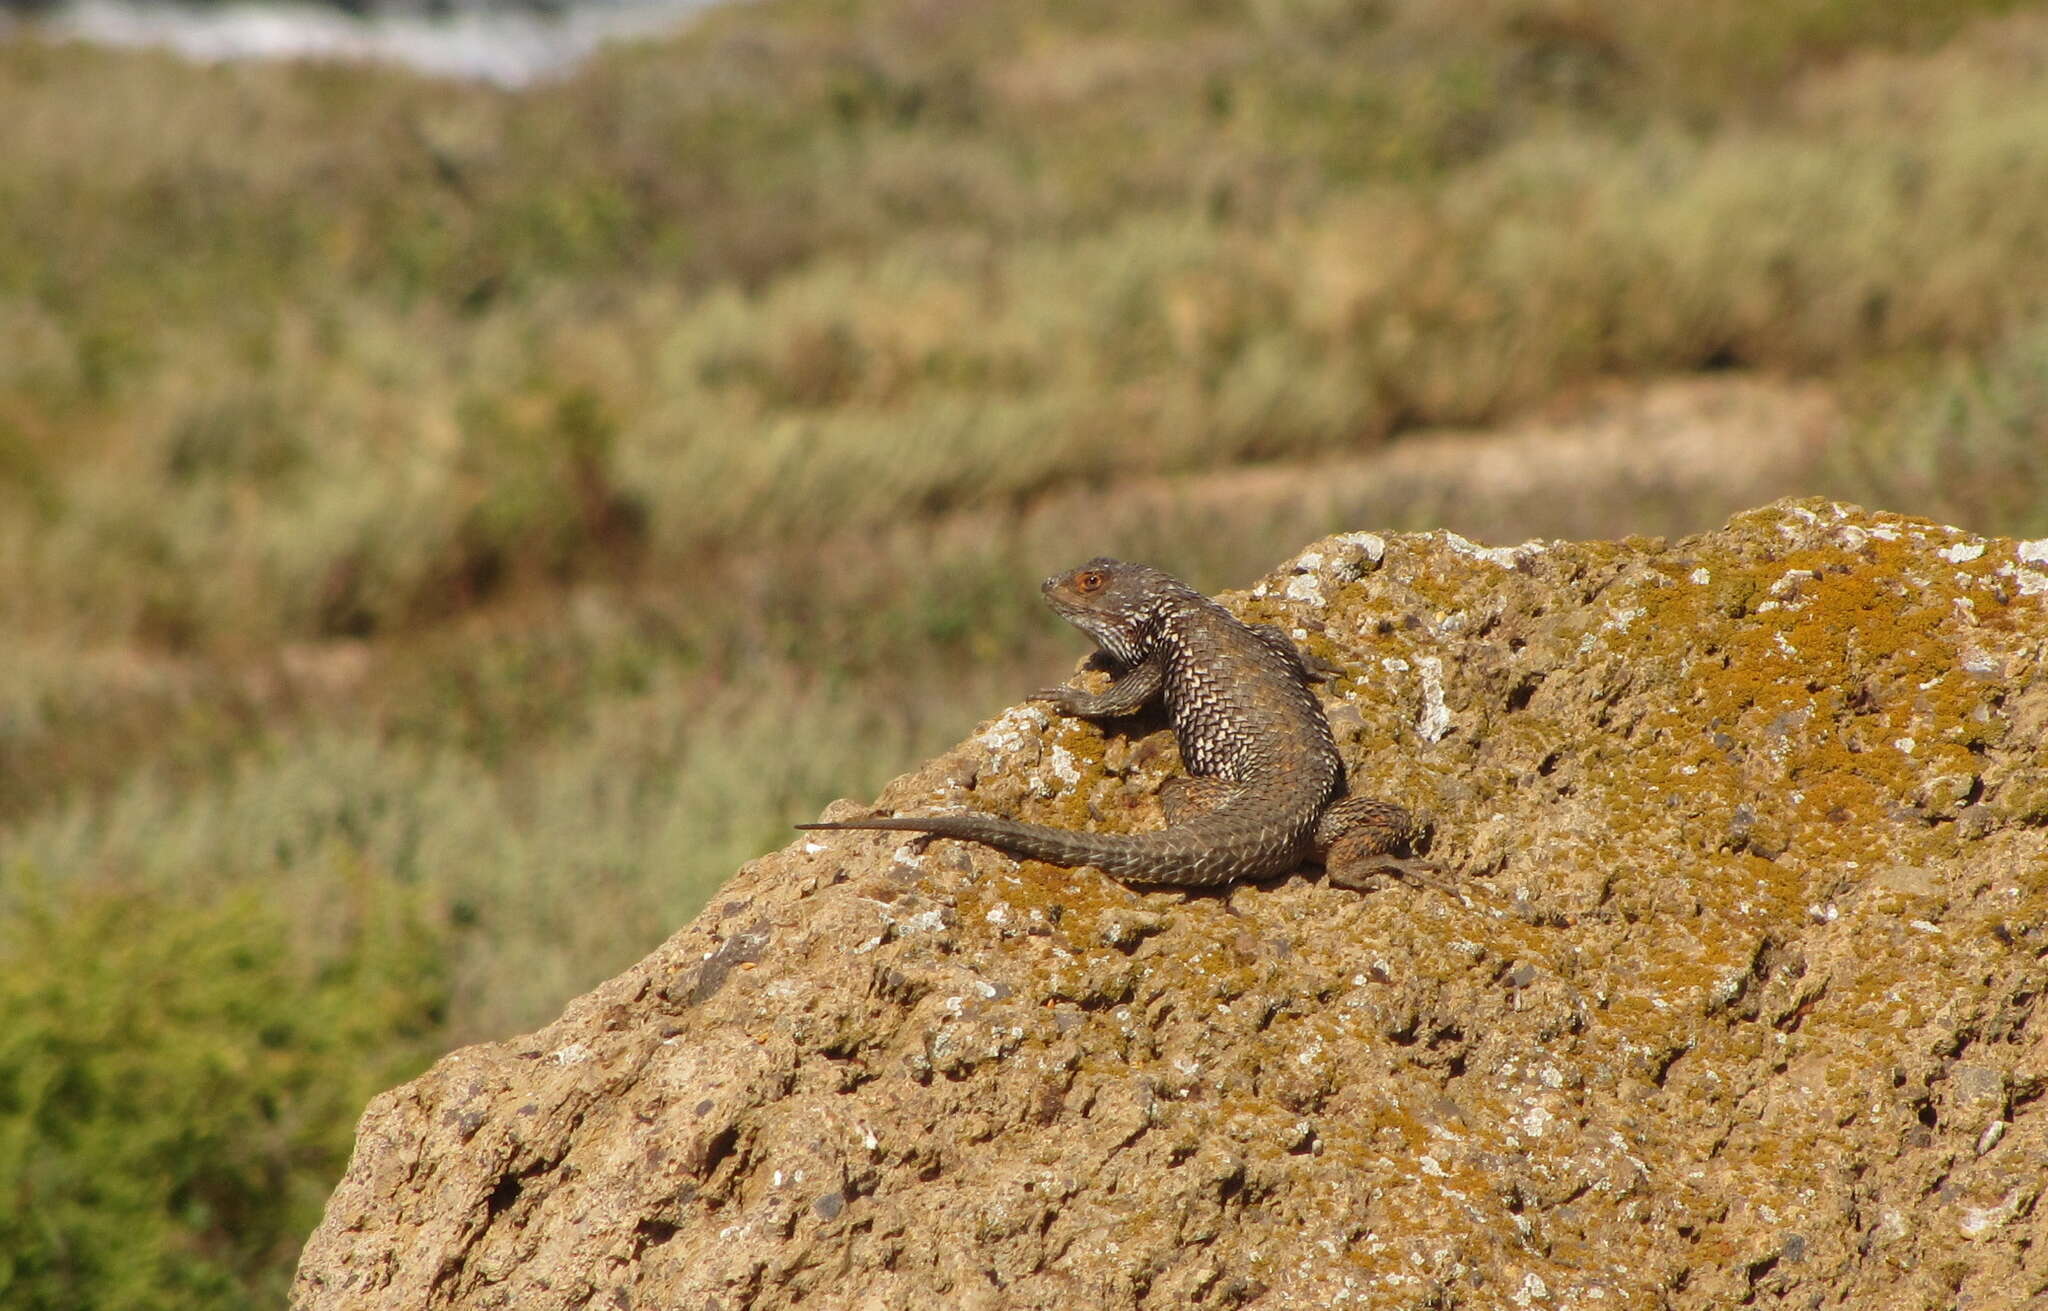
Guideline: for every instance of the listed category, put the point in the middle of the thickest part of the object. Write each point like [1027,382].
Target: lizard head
[1113,602]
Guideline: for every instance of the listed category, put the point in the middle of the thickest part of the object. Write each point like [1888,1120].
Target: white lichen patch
[1618,620]
[925,921]
[1976,1221]
[1701,576]
[2030,581]
[1014,733]
[1341,559]
[1370,545]
[1788,584]
[1435,720]
[1961,552]
[1505,557]
[1981,663]
[574,1054]
[1535,1121]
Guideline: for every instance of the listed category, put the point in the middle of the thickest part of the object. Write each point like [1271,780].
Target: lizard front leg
[1133,690]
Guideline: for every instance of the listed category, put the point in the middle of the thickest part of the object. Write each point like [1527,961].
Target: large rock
[1743,1004]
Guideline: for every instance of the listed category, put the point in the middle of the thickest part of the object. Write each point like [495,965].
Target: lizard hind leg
[1356,836]
[1189,796]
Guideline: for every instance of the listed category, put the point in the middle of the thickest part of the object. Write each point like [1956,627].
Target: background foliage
[444,531]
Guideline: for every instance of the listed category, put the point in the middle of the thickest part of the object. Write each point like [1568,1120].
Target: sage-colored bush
[179,1080]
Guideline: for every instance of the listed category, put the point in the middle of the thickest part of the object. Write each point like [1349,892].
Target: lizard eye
[1089,580]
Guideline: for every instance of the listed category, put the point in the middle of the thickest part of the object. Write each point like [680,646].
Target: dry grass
[348,464]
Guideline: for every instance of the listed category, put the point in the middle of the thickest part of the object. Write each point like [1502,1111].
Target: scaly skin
[1268,785]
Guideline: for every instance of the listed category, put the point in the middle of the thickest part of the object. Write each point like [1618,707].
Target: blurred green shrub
[178,1085]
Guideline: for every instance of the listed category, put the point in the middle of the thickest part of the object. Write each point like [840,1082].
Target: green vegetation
[444,531]
[174,1074]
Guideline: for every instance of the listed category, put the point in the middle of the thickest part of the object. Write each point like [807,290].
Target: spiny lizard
[1268,789]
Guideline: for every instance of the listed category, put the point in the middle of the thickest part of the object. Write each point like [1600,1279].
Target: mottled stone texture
[1742,1007]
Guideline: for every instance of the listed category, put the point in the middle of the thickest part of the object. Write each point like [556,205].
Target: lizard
[1267,789]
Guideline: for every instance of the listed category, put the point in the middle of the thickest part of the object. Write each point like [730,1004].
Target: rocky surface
[1742,1007]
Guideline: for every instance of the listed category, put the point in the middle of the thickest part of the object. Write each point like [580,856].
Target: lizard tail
[1191,855]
